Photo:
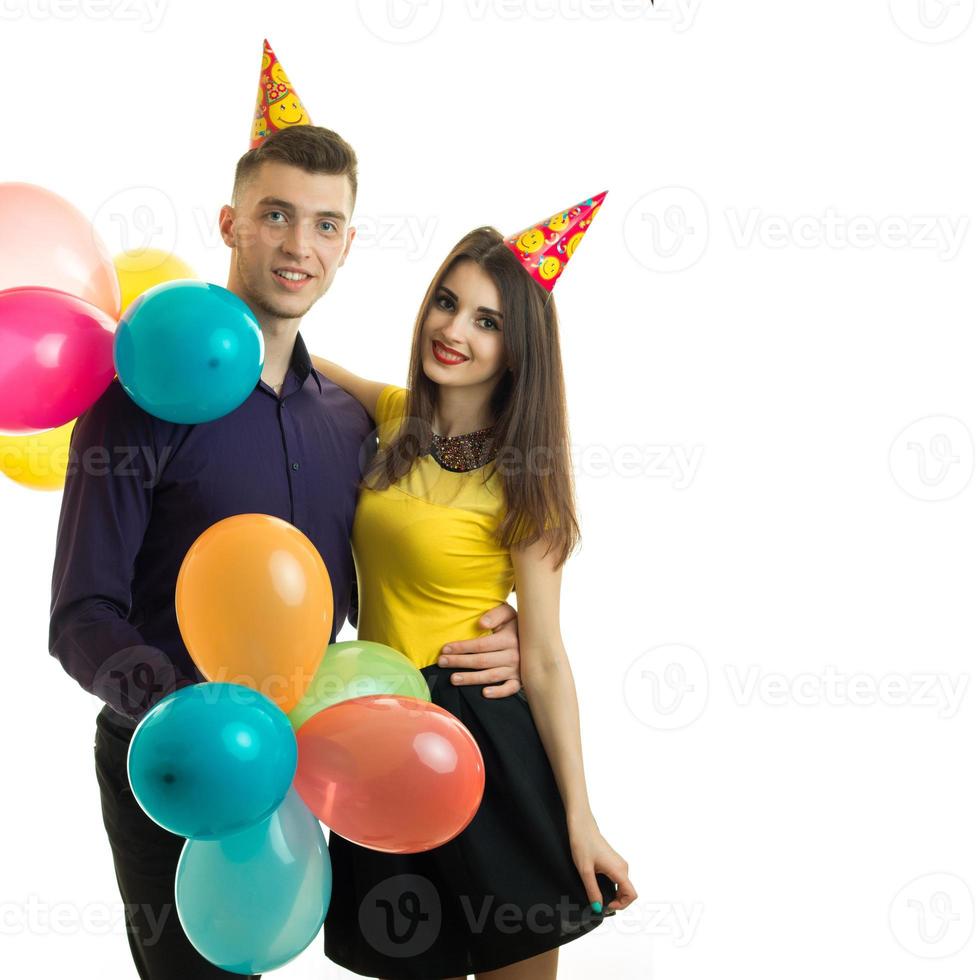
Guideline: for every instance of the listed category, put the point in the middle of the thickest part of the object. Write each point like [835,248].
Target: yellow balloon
[38,460]
[142,269]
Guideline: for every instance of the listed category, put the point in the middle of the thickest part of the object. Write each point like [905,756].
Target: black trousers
[145,857]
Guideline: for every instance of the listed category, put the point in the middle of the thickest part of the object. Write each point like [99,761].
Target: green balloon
[357,668]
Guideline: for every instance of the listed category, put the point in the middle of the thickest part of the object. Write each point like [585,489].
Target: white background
[769,343]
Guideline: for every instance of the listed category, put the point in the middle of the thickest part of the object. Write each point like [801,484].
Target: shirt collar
[301,364]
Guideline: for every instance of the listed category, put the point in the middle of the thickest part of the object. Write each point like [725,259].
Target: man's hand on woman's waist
[493,660]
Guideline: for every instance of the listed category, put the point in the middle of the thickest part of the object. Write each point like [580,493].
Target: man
[293,449]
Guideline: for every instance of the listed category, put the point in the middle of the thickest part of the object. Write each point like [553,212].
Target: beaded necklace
[468,451]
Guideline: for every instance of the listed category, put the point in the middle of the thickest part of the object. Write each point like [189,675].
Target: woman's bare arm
[550,688]
[546,673]
[366,392]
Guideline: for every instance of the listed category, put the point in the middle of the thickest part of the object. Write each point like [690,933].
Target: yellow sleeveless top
[428,563]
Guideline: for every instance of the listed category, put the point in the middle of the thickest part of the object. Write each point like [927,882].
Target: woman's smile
[446,355]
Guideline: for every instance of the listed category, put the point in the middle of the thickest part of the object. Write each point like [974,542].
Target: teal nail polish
[597,907]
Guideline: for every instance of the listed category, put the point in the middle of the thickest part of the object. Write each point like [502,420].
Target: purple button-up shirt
[141,490]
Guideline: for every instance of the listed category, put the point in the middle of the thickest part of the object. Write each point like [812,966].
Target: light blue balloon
[188,351]
[212,759]
[251,902]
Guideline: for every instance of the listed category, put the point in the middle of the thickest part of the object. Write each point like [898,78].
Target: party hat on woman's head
[277,106]
[545,248]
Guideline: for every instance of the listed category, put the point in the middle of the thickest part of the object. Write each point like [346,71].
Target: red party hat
[545,248]
[277,105]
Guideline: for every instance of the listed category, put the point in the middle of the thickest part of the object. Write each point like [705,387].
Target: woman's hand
[591,853]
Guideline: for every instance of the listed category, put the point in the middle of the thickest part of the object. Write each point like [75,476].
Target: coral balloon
[390,773]
[55,358]
[354,669]
[255,606]
[140,270]
[46,241]
[211,760]
[253,901]
[38,461]
[189,351]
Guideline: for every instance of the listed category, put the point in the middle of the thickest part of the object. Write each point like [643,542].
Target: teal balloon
[188,351]
[253,901]
[356,668]
[212,759]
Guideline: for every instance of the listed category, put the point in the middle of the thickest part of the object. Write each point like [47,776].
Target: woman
[469,496]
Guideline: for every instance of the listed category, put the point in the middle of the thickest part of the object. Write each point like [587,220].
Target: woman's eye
[444,299]
[491,324]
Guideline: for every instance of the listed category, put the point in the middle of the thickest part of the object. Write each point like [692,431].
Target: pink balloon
[389,772]
[55,358]
[46,241]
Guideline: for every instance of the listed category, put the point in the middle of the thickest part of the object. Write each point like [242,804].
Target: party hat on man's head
[277,106]
[545,248]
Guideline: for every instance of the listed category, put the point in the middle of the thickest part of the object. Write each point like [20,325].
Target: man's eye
[330,225]
[271,213]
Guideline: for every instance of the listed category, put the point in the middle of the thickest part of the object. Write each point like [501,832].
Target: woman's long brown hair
[528,405]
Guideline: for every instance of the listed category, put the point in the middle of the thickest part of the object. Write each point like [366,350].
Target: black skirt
[504,889]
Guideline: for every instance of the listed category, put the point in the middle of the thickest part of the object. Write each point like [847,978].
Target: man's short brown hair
[311,148]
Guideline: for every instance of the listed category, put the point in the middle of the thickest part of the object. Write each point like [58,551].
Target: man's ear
[226,220]
[351,233]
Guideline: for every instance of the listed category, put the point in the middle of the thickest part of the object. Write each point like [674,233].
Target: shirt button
[295,466]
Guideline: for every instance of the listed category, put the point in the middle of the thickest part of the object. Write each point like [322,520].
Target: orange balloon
[388,772]
[255,606]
